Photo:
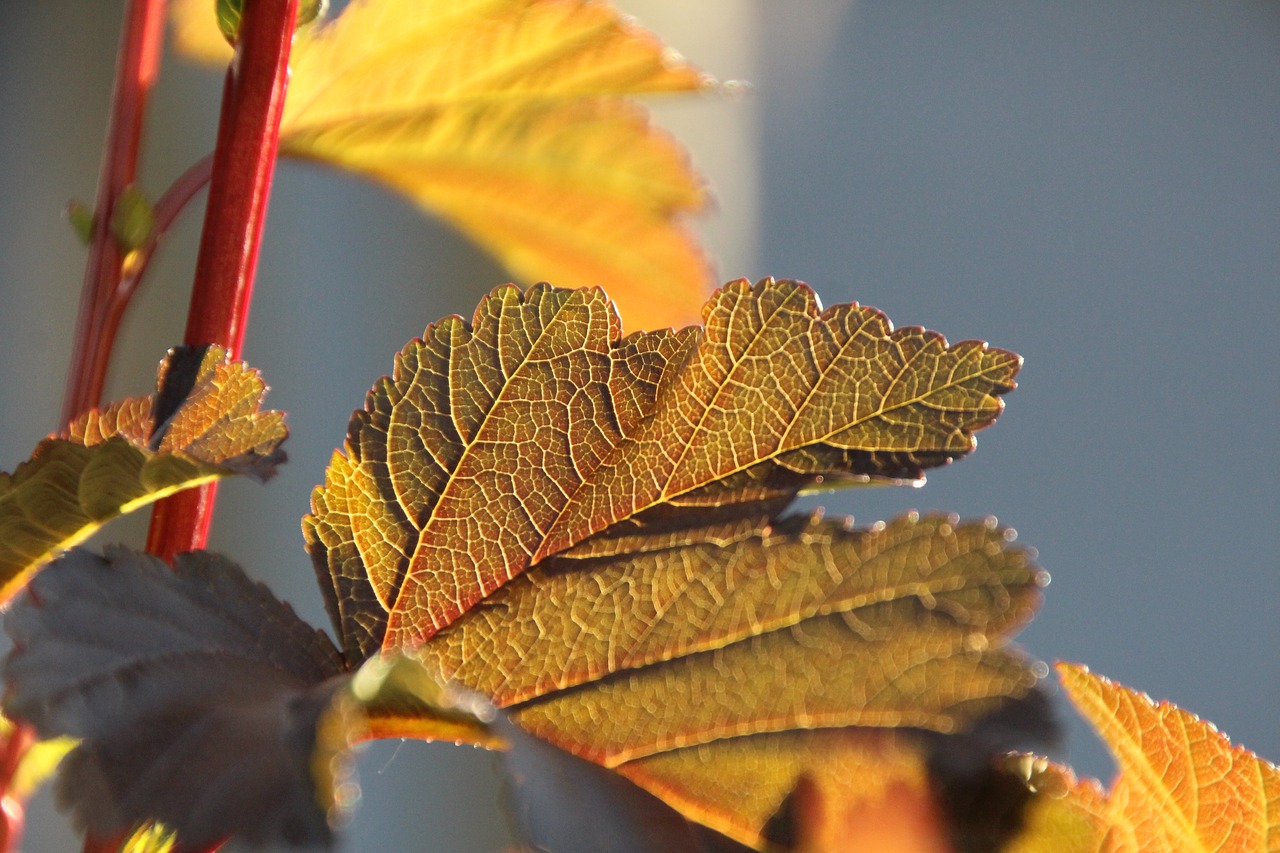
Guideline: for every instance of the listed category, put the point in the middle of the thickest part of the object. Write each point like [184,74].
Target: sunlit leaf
[203,423]
[151,837]
[529,431]
[195,696]
[1181,786]
[842,790]
[1065,815]
[563,803]
[196,33]
[395,697]
[39,759]
[509,119]
[584,528]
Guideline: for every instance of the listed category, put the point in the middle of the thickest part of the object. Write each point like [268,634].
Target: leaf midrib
[665,496]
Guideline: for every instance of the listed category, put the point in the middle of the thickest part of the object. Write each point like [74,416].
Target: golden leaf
[510,119]
[583,527]
[1181,786]
[538,426]
[204,423]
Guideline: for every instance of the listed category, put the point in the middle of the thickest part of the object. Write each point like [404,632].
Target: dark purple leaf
[195,692]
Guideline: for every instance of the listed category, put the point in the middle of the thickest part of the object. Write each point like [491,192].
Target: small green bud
[311,11]
[133,220]
[81,219]
[229,13]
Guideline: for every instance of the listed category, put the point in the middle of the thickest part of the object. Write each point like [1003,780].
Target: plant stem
[12,810]
[243,165]
[101,305]
[136,70]
[166,211]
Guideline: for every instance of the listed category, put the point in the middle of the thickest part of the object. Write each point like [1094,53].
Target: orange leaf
[1181,785]
[844,790]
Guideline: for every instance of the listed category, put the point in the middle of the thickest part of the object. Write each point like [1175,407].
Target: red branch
[102,299]
[136,70]
[243,164]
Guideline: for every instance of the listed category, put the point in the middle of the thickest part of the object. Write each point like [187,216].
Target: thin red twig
[137,65]
[136,71]
[243,165]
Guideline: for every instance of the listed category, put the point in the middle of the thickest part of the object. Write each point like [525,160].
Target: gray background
[1094,185]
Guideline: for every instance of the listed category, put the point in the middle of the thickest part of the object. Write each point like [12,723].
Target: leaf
[537,427]
[897,626]
[150,838]
[509,119]
[562,803]
[1065,815]
[1180,786]
[195,695]
[39,760]
[203,423]
[840,789]
[585,529]
[674,667]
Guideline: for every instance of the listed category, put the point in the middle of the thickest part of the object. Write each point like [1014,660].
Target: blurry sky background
[1093,185]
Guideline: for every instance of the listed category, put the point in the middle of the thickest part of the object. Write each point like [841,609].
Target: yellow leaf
[1181,786]
[845,789]
[150,838]
[204,423]
[510,119]
[195,32]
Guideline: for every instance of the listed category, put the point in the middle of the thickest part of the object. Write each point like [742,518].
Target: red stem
[136,70]
[243,165]
[137,66]
[12,809]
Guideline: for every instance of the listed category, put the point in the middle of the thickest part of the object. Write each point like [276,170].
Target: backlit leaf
[510,119]
[38,762]
[1181,785]
[801,625]
[195,696]
[151,837]
[203,423]
[529,431]
[1065,815]
[738,785]
[584,528]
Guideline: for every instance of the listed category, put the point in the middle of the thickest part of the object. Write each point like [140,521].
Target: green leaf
[80,216]
[204,423]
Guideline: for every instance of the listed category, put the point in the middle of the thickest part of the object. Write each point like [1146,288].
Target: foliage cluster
[547,534]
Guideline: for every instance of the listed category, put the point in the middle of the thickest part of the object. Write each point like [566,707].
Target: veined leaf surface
[1181,785]
[584,528]
[536,427]
[509,119]
[203,423]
